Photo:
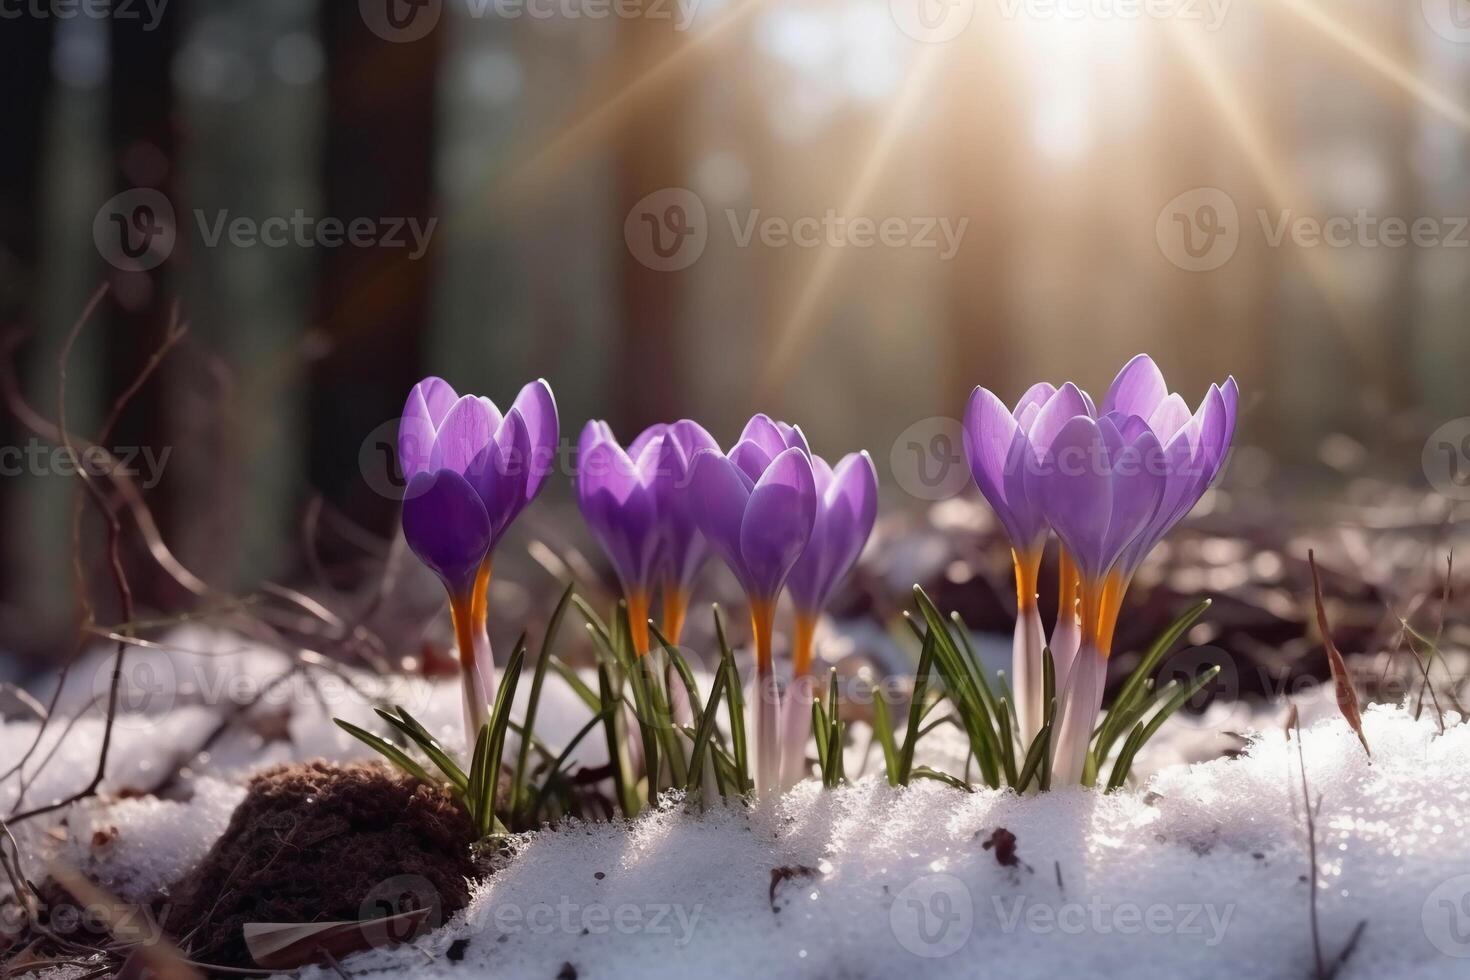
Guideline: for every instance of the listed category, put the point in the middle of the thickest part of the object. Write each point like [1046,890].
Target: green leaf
[736,705]
[1133,686]
[388,750]
[523,757]
[924,772]
[1040,750]
[916,709]
[1142,733]
[702,734]
[883,731]
[419,735]
[579,687]
[1007,743]
[617,752]
[499,721]
[554,773]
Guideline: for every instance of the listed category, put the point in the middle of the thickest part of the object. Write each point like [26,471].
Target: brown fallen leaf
[1347,697]
[287,945]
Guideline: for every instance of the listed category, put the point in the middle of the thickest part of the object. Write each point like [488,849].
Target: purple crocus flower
[617,492]
[1112,488]
[684,548]
[1002,446]
[470,471]
[847,507]
[756,507]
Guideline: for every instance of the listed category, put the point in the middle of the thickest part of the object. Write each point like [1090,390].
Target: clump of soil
[317,842]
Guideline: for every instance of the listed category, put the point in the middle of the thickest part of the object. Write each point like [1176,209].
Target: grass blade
[523,757]
[1142,733]
[883,731]
[736,706]
[388,750]
[555,771]
[916,709]
[420,736]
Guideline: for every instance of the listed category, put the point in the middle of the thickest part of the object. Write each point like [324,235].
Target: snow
[1202,871]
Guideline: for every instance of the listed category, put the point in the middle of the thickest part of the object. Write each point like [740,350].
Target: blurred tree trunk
[651,157]
[372,307]
[144,145]
[25,51]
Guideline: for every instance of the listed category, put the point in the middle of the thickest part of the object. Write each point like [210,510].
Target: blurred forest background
[529,139]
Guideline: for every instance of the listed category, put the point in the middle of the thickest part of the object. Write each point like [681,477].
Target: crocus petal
[467,428]
[1068,403]
[793,437]
[1138,388]
[764,433]
[778,522]
[1169,416]
[537,407]
[996,448]
[1076,491]
[1035,397]
[500,475]
[1138,480]
[752,457]
[847,509]
[620,509]
[445,524]
[439,397]
[415,435]
[718,493]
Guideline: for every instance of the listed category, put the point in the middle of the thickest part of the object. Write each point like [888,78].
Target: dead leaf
[288,945]
[1347,698]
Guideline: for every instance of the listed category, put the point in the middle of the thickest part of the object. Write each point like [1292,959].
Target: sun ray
[1321,268]
[791,330]
[551,156]
[1354,43]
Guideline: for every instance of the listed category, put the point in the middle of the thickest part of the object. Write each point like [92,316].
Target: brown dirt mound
[316,842]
